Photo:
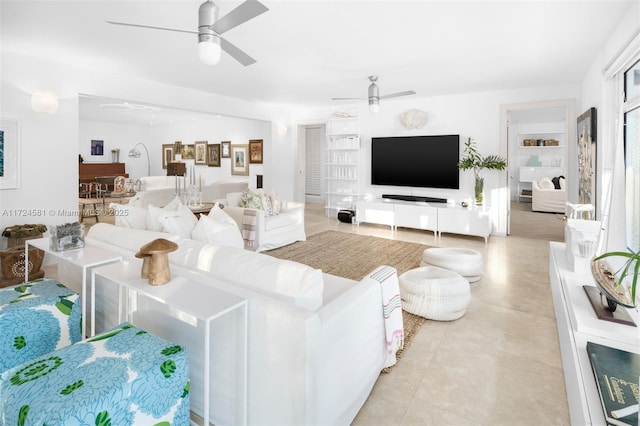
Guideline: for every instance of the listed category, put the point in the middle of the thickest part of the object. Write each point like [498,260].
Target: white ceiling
[309,51]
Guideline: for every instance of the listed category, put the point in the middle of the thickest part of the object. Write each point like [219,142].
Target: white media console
[436,217]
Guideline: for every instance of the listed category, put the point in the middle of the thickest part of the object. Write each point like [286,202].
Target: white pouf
[466,262]
[434,293]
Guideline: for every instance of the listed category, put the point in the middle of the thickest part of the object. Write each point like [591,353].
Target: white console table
[577,324]
[436,217]
[84,258]
[185,310]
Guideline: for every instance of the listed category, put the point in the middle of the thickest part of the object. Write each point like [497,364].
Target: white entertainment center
[577,324]
[436,217]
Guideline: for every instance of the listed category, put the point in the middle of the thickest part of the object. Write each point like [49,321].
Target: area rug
[353,256]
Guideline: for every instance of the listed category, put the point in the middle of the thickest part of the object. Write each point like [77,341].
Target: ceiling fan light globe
[374,107]
[209,52]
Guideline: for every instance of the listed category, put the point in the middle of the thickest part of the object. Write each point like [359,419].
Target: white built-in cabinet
[547,158]
[342,164]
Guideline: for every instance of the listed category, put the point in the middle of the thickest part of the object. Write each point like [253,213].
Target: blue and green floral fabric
[124,376]
[37,318]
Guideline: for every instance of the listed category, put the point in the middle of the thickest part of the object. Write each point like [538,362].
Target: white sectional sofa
[316,341]
[160,190]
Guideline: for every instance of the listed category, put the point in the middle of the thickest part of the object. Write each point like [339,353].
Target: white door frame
[300,155]
[504,219]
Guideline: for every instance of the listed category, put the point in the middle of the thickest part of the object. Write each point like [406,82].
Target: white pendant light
[209,51]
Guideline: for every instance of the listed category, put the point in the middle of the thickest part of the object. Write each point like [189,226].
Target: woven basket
[13,265]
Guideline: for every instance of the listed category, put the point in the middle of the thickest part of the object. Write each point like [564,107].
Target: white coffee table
[179,310]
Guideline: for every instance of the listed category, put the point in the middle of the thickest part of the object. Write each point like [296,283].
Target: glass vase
[479,190]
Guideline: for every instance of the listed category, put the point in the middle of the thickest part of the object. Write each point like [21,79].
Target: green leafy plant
[631,267]
[472,160]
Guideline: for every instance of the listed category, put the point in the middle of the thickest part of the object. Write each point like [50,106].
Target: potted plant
[612,284]
[473,160]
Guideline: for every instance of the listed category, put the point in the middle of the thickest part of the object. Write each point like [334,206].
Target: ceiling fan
[374,95]
[210,28]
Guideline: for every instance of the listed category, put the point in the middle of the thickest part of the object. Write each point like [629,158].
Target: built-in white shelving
[342,164]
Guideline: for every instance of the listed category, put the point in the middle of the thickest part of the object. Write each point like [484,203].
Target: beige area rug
[354,256]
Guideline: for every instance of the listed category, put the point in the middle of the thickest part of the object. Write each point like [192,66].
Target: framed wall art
[188,152]
[167,154]
[587,137]
[240,160]
[225,147]
[214,155]
[255,151]
[200,148]
[9,155]
[97,147]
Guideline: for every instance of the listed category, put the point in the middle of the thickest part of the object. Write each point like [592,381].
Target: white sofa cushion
[233,199]
[545,183]
[216,229]
[129,216]
[180,221]
[279,221]
[127,239]
[299,284]
[153,214]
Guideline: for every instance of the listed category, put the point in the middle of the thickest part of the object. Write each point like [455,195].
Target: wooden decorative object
[158,266]
[146,260]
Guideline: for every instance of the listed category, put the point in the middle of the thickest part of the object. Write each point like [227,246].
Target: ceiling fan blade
[236,53]
[347,99]
[395,95]
[151,27]
[241,14]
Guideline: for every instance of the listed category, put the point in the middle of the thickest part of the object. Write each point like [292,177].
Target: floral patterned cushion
[124,376]
[37,318]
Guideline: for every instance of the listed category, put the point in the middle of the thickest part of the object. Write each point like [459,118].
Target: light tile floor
[497,365]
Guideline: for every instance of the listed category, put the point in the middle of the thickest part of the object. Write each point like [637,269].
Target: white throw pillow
[152,219]
[233,199]
[221,216]
[128,216]
[276,204]
[180,222]
[545,183]
[211,231]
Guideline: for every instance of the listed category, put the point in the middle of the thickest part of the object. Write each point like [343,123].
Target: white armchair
[546,198]
[262,231]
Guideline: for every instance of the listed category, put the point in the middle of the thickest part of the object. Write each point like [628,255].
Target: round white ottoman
[466,262]
[434,293]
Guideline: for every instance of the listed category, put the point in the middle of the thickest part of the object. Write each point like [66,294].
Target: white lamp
[374,105]
[134,153]
[44,102]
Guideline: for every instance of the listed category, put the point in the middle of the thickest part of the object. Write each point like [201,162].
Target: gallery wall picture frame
[9,154]
[167,154]
[188,152]
[225,149]
[240,160]
[255,151]
[200,153]
[97,147]
[214,155]
[587,139]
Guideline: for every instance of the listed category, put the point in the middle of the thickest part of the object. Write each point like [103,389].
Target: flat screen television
[416,161]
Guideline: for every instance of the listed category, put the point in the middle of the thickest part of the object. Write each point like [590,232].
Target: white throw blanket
[391,310]
[249,219]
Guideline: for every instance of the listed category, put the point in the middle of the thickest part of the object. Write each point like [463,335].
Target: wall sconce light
[282,130]
[44,102]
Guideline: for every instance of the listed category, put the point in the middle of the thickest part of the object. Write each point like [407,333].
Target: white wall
[211,128]
[475,115]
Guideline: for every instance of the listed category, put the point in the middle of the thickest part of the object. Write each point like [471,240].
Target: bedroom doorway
[538,139]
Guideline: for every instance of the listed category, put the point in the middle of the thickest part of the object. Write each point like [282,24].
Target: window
[632,155]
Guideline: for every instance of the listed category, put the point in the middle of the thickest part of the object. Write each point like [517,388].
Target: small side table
[192,301]
[85,258]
